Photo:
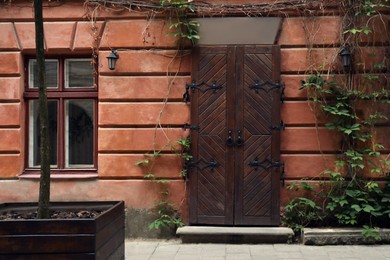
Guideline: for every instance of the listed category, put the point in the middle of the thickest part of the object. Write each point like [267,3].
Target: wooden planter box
[98,238]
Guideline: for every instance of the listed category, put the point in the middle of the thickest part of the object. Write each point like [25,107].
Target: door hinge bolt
[191,127]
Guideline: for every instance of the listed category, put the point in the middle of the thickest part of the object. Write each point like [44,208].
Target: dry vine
[203,8]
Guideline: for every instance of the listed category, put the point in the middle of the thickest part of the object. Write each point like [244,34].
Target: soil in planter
[55,214]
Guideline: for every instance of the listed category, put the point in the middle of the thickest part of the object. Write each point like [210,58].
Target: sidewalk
[175,250]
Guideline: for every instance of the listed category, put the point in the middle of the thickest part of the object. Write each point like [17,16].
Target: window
[72,93]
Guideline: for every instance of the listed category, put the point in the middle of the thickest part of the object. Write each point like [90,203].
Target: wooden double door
[234,175]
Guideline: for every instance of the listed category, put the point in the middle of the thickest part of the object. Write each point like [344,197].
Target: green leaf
[348,131]
[351,193]
[309,202]
[150,176]
[356,207]
[353,31]
[370,232]
[145,161]
[385,199]
[163,181]
[368,208]
[307,186]
[154,154]
[331,206]
[343,202]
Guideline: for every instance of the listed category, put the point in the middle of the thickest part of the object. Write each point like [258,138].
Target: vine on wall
[351,195]
[185,30]
[167,215]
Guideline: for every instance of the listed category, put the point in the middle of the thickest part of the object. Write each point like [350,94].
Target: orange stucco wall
[131,98]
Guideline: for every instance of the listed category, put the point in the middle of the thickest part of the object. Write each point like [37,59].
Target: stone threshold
[342,236]
[214,234]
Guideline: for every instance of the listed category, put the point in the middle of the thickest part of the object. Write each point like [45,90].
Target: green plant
[356,203]
[370,7]
[184,155]
[370,232]
[301,212]
[180,24]
[167,215]
[351,197]
[347,193]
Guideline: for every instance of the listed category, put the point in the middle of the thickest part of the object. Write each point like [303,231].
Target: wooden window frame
[61,94]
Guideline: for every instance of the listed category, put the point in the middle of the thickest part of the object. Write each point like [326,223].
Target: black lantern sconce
[112,58]
[345,54]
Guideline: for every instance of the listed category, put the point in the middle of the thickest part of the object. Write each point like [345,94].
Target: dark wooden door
[235,100]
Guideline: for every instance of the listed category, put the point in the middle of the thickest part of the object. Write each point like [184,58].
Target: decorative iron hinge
[264,86]
[282,126]
[195,164]
[214,87]
[267,163]
[191,127]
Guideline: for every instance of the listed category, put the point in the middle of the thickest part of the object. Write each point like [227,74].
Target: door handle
[229,140]
[239,141]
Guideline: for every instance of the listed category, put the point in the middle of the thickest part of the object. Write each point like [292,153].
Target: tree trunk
[44,188]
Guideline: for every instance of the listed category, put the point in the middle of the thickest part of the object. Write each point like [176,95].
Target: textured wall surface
[131,99]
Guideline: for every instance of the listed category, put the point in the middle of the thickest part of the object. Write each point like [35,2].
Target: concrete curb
[209,234]
[342,236]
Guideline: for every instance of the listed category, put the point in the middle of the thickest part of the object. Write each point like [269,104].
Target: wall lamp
[112,58]
[345,54]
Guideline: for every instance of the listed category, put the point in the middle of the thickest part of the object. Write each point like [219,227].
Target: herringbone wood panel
[234,192]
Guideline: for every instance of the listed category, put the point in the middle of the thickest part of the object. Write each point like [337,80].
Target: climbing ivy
[348,195]
[167,215]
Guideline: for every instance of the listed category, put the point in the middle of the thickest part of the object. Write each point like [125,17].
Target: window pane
[79,73]
[79,130]
[35,137]
[51,67]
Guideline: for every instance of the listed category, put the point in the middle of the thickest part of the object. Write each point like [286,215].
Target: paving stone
[262,250]
[190,249]
[286,248]
[165,257]
[366,252]
[213,253]
[237,249]
[345,258]
[140,249]
[137,257]
[261,257]
[238,257]
[174,250]
[289,255]
[212,258]
[187,257]
[384,250]
[316,257]
[340,254]
[169,250]
[312,250]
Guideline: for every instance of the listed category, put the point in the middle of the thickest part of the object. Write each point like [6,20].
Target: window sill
[61,174]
